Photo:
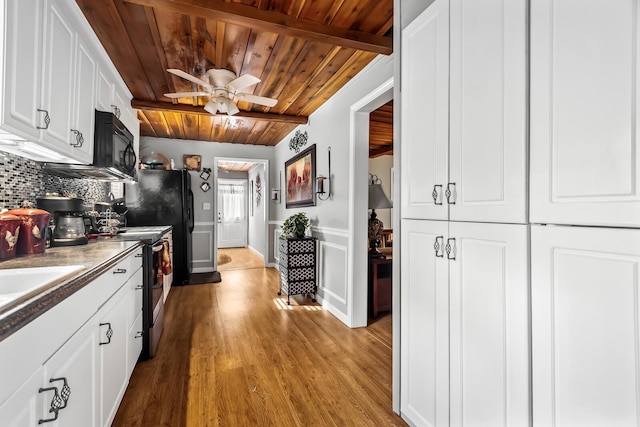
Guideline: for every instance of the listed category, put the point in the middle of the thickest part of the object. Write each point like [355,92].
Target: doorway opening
[240,212]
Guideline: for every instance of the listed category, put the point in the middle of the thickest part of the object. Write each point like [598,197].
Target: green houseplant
[295,226]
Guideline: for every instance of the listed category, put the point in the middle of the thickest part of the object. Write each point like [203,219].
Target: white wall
[330,126]
[381,167]
[258,221]
[205,220]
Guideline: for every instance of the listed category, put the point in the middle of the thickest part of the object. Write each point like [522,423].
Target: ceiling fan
[224,88]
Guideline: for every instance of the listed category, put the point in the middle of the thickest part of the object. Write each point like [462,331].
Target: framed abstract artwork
[300,179]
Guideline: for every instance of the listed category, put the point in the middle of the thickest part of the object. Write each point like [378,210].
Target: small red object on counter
[9,235]
[33,230]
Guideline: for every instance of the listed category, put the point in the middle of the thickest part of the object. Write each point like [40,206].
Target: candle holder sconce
[323,183]
[275,192]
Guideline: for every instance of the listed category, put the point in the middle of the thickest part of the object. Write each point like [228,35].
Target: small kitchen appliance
[67,226]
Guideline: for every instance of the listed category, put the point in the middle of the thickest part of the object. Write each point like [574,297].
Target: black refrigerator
[162,197]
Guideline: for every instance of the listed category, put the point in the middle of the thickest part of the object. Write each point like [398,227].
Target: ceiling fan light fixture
[210,107]
[232,107]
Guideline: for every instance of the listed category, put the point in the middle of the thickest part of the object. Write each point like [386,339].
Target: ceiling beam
[189,109]
[275,22]
[381,151]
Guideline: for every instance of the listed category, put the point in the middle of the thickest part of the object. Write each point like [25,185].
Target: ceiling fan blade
[188,76]
[262,100]
[185,94]
[242,82]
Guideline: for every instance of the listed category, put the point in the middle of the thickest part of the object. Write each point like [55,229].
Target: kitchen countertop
[97,257]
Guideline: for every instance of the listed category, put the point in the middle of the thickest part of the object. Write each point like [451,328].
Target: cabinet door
[22,62]
[584,112]
[58,86]
[21,408]
[489,315]
[75,364]
[424,352]
[84,103]
[425,114]
[113,336]
[585,339]
[104,98]
[488,117]
[134,346]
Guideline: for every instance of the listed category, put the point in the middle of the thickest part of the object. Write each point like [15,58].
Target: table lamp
[377,200]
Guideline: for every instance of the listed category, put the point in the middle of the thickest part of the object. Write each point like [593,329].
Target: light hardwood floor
[234,354]
[241,258]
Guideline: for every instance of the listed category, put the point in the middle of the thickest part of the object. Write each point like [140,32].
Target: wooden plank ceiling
[303,51]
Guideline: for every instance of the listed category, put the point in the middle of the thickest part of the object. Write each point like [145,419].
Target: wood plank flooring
[241,258]
[234,354]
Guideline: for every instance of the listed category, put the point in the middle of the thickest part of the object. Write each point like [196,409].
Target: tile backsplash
[23,179]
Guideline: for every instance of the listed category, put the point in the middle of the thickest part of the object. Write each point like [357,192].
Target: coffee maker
[67,226]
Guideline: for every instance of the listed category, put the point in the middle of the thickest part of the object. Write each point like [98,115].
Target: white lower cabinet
[465,322]
[69,388]
[585,333]
[21,409]
[81,380]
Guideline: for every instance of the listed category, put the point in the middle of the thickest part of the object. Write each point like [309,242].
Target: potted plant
[295,226]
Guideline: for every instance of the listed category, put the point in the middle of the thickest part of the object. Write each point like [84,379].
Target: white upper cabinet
[488,111]
[83,123]
[464,112]
[23,60]
[104,99]
[58,78]
[585,339]
[425,113]
[584,112]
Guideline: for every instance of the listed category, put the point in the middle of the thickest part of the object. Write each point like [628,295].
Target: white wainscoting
[332,279]
[202,245]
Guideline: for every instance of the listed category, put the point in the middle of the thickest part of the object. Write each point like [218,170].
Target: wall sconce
[324,181]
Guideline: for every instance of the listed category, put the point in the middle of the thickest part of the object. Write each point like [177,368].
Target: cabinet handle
[79,139]
[59,400]
[451,249]
[438,246]
[139,334]
[139,255]
[451,194]
[435,194]
[109,333]
[137,288]
[116,110]
[47,119]
[119,271]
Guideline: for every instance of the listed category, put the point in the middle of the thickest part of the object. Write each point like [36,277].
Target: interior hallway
[233,353]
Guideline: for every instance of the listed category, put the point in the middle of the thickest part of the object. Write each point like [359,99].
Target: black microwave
[114,157]
[113,145]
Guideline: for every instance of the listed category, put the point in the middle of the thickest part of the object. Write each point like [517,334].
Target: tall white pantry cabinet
[520,229]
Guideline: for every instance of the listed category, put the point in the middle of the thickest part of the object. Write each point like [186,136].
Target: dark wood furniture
[380,272]
[297,264]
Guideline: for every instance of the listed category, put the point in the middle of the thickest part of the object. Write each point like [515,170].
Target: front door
[232,213]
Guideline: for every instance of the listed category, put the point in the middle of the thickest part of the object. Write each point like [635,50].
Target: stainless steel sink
[19,284]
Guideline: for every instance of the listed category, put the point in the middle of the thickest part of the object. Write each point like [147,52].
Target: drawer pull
[59,400]
[139,255]
[137,288]
[119,271]
[139,334]
[109,333]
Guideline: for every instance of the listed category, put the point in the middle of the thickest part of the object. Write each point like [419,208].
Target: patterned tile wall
[24,179]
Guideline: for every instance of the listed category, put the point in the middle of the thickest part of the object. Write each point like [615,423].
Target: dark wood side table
[380,270]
